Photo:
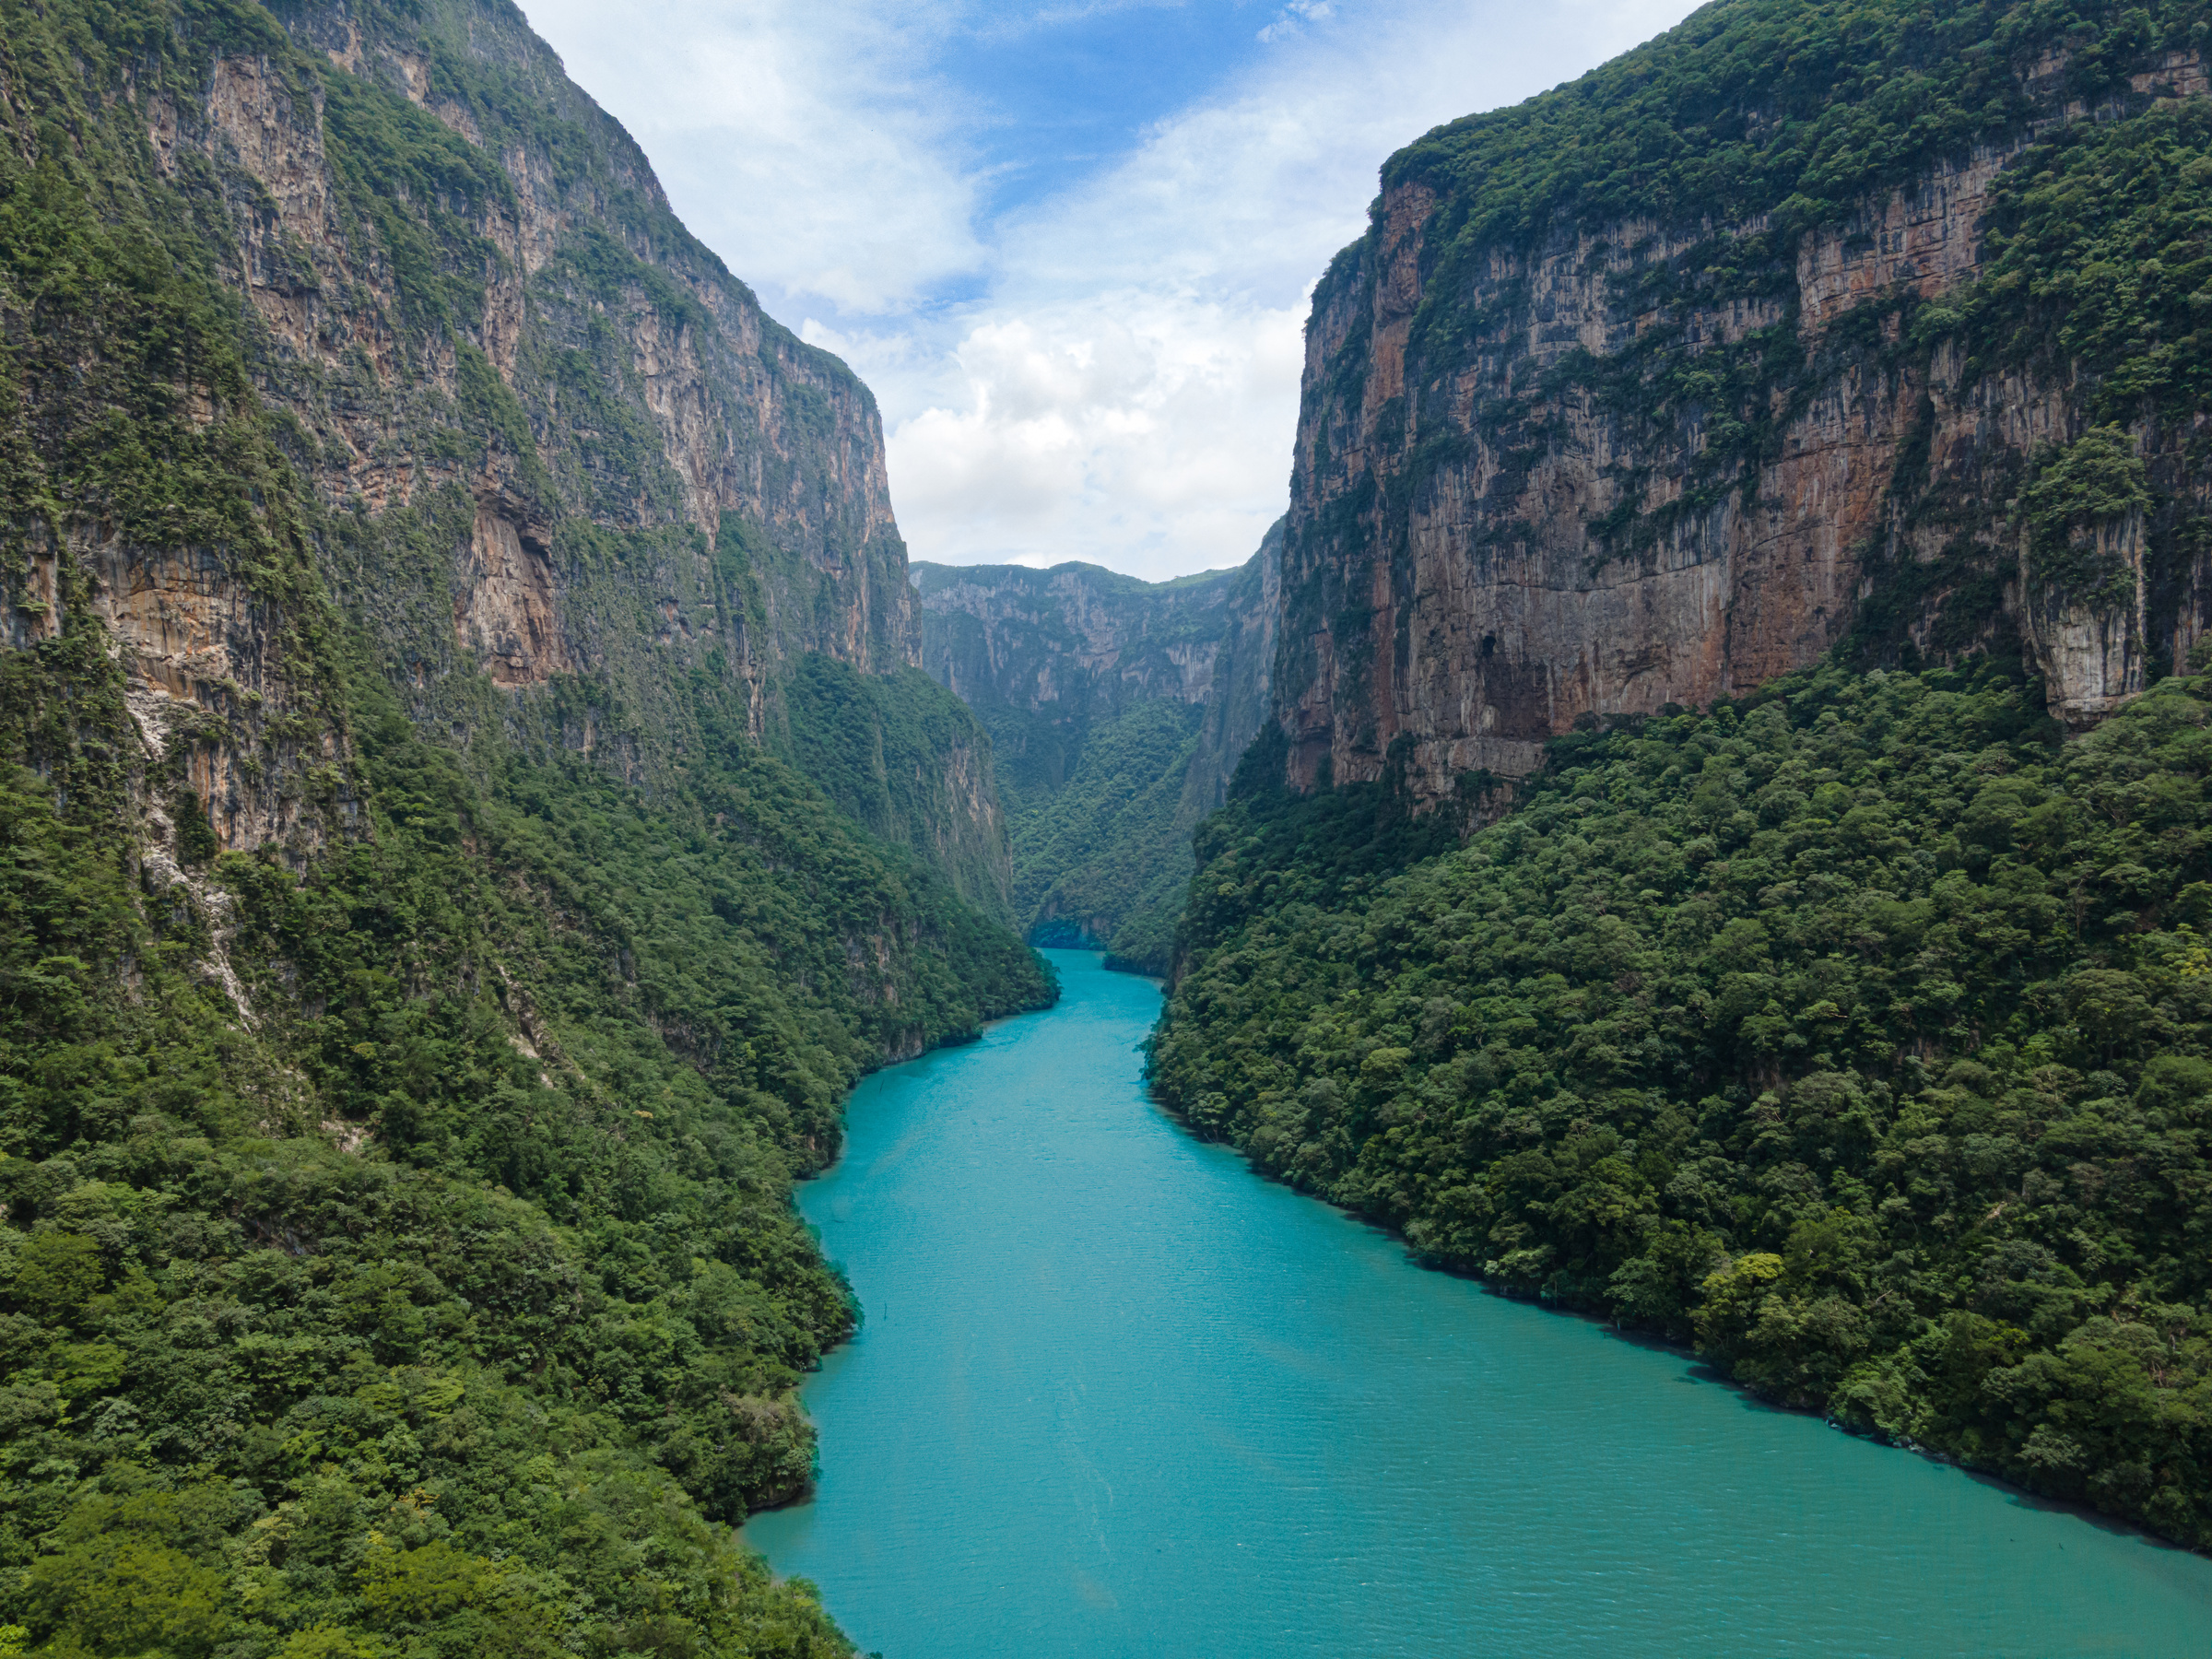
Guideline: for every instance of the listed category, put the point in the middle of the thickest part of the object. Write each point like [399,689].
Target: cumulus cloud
[1074,433]
[798,140]
[1127,392]
[1108,374]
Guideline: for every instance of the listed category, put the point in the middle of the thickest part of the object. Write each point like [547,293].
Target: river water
[1117,1395]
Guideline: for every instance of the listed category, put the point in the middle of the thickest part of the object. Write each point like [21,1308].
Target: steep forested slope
[1859,1031]
[1855,1029]
[420,977]
[1117,710]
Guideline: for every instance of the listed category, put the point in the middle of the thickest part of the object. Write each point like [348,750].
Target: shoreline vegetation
[338,1311]
[404,1068]
[1855,1032]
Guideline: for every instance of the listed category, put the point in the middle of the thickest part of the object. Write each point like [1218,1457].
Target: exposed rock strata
[1483,546]
[546,432]
[503,605]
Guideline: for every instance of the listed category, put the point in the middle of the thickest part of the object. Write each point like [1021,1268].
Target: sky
[1070,243]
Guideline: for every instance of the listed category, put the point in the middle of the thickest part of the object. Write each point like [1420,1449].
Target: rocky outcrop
[1594,464]
[1118,711]
[537,433]
[503,602]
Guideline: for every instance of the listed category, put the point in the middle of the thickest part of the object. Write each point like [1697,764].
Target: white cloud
[1298,11]
[1109,375]
[1077,435]
[796,140]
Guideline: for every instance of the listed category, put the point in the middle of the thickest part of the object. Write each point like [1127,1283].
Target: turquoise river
[1117,1395]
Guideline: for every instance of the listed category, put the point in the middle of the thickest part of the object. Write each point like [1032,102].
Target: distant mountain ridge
[1118,711]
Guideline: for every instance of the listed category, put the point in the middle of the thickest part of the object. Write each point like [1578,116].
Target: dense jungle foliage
[445,1294]
[1794,107]
[1104,858]
[1859,1031]
[397,1256]
[1104,764]
[904,758]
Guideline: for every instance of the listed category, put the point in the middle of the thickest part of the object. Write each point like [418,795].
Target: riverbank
[1116,1396]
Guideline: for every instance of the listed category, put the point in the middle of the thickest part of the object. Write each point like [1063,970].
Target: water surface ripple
[1117,1395]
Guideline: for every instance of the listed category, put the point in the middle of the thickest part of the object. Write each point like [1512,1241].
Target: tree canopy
[1859,1032]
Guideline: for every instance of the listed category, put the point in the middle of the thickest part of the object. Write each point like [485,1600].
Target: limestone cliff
[1749,343]
[552,457]
[420,564]
[1118,711]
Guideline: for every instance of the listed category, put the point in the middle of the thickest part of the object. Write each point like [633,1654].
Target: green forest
[399,1257]
[444,1296]
[1105,846]
[405,1070]
[1858,1031]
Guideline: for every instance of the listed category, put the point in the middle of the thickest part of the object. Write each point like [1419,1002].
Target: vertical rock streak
[1490,537]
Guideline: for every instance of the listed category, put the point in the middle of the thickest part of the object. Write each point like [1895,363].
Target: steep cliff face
[906,759]
[1749,342]
[1118,711]
[420,563]
[632,384]
[541,431]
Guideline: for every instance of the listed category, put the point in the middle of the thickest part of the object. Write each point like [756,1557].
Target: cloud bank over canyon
[1069,247]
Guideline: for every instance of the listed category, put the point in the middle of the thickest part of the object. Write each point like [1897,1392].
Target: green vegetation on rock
[397,1257]
[1118,709]
[1798,108]
[1859,1031]
[459,1254]
[1104,859]
[903,758]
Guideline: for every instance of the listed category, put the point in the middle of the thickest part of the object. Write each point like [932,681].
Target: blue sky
[1058,92]
[1068,244]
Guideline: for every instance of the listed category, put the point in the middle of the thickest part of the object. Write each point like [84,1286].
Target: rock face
[1561,460]
[547,439]
[1076,645]
[503,603]
[636,383]
[1241,696]
[1118,711]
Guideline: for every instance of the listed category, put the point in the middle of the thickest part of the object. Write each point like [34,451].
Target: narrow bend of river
[1117,1395]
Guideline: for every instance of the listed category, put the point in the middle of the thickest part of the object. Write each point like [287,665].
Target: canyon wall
[420,564]
[1118,711]
[1595,425]
[549,456]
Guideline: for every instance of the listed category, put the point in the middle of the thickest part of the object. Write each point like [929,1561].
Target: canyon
[1118,712]
[1696,815]
[542,431]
